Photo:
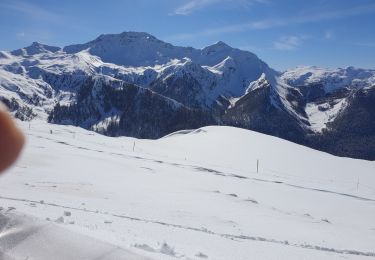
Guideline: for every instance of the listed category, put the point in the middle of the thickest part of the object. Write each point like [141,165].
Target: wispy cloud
[31,10]
[194,5]
[328,35]
[364,44]
[39,34]
[20,34]
[39,20]
[281,22]
[288,42]
[251,48]
[228,29]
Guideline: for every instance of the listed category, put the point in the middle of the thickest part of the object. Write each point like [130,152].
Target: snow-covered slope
[27,237]
[196,194]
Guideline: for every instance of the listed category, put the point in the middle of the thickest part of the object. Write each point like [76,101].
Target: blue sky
[284,33]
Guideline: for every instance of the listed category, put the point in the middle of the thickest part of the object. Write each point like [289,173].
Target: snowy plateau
[138,149]
[190,195]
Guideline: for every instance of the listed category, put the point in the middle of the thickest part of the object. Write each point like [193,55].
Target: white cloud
[364,44]
[194,5]
[273,23]
[328,35]
[227,29]
[288,43]
[33,11]
[20,34]
[251,48]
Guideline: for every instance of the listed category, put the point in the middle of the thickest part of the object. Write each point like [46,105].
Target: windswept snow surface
[196,194]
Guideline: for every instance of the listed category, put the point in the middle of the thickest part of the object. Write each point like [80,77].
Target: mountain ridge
[221,82]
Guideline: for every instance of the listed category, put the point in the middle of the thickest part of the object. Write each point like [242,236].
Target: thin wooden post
[358,183]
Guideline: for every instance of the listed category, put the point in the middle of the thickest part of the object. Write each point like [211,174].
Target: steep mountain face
[265,110]
[319,114]
[137,85]
[352,133]
[191,76]
[188,83]
[328,93]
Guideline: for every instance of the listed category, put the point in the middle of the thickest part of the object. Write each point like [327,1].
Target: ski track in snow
[204,230]
[212,171]
[246,206]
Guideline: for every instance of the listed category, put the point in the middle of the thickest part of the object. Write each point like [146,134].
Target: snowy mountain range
[137,85]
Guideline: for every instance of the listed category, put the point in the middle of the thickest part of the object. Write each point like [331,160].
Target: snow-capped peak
[131,49]
[259,83]
[127,36]
[226,64]
[216,47]
[35,48]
